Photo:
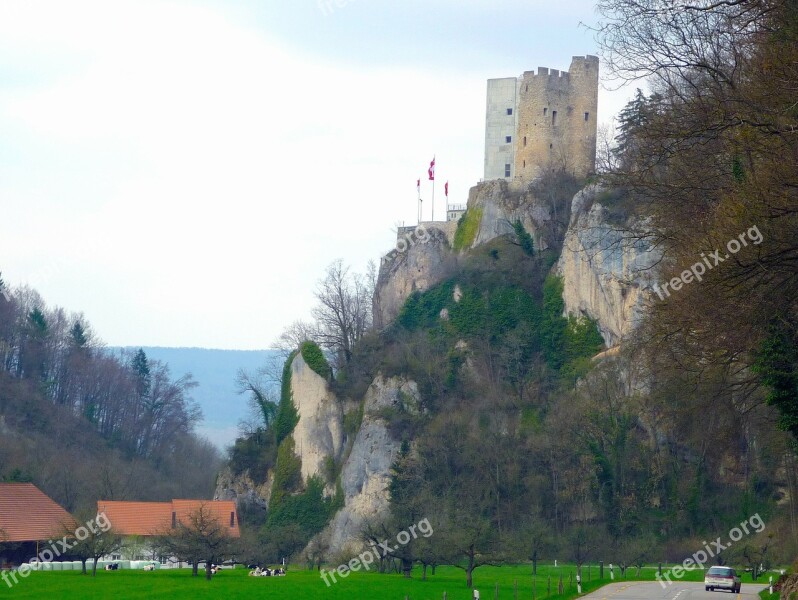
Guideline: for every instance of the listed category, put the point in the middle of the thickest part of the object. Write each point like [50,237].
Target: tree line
[87,422]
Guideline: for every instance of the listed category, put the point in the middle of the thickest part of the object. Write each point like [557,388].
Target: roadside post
[578,584]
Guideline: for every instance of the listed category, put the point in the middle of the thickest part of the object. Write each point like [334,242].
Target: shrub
[315,359]
[524,239]
[287,473]
[287,416]
[467,228]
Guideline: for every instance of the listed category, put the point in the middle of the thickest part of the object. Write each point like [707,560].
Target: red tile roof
[155,518]
[27,514]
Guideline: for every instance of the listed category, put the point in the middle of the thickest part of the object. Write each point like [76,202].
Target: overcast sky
[182,172]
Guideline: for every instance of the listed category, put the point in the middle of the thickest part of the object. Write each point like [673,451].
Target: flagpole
[433,189]
[418,191]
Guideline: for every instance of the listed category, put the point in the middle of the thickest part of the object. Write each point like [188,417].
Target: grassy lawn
[128,585]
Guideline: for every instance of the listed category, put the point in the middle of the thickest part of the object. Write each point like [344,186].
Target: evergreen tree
[141,370]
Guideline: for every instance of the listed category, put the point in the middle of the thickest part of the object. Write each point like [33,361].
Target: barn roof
[27,514]
[155,518]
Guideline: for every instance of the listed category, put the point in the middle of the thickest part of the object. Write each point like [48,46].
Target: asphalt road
[677,591]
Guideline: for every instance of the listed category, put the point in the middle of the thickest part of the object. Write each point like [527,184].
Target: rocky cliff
[501,204]
[608,267]
[367,472]
[408,269]
[319,433]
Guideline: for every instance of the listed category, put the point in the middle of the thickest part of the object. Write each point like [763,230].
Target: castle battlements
[542,119]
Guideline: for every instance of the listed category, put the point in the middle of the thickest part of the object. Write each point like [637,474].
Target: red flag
[431,171]
[446,189]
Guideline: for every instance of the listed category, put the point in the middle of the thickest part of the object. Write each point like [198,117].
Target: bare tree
[202,537]
[606,159]
[293,335]
[262,399]
[92,541]
[343,312]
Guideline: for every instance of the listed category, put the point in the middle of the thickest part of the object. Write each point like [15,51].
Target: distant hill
[215,372]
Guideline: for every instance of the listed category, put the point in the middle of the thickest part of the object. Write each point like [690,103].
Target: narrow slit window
[554,118]
[587,116]
[524,141]
[507,169]
[545,110]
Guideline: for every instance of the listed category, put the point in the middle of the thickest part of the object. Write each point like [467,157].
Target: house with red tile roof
[150,519]
[28,516]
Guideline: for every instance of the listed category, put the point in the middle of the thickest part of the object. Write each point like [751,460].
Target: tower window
[525,164]
[508,138]
[554,117]
[524,141]
[506,169]
[509,111]
[545,110]
[587,116]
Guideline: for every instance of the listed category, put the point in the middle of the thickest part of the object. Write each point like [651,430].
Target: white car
[722,578]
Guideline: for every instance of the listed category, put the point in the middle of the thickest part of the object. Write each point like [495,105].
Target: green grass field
[300,584]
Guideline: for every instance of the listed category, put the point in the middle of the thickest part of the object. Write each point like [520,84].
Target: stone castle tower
[541,120]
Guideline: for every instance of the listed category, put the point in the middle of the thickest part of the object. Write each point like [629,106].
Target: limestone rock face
[608,269]
[367,472]
[418,268]
[503,203]
[243,489]
[320,431]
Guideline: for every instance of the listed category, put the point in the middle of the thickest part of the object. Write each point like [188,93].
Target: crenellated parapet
[541,119]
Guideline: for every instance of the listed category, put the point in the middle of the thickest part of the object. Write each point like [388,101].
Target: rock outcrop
[416,269]
[608,269]
[367,472]
[501,204]
[243,489]
[320,431]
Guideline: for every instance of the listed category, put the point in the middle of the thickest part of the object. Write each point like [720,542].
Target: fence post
[548,587]
[515,589]
[601,569]
[560,588]
[444,595]
[496,593]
